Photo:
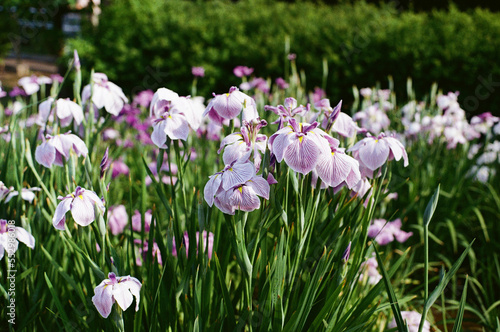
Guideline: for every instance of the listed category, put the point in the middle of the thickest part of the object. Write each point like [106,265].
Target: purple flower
[287,111]
[300,145]
[82,203]
[230,105]
[208,243]
[57,78]
[198,71]
[241,71]
[374,151]
[144,249]
[17,91]
[121,290]
[161,94]
[118,168]
[347,253]
[143,99]
[10,242]
[56,147]
[171,121]
[235,174]
[412,319]
[281,83]
[384,232]
[244,143]
[27,194]
[369,271]
[137,223]
[243,197]
[105,94]
[117,219]
[292,56]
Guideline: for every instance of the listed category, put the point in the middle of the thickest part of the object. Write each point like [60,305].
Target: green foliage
[362,44]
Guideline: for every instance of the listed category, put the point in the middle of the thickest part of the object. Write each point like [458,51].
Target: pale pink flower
[54,148]
[412,319]
[386,232]
[244,197]
[9,242]
[299,145]
[229,105]
[117,219]
[374,151]
[82,203]
[338,169]
[289,110]
[137,222]
[241,71]
[29,84]
[105,94]
[121,290]
[369,271]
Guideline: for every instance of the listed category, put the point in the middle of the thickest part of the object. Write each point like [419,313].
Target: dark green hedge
[149,43]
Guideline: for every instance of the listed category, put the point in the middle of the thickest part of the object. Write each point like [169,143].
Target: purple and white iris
[121,290]
[82,203]
[56,147]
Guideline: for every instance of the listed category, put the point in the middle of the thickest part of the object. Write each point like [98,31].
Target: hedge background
[148,44]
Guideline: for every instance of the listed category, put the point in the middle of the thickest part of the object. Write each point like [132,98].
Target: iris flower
[247,141]
[10,244]
[56,147]
[243,197]
[105,94]
[121,290]
[82,204]
[374,151]
[300,145]
[230,105]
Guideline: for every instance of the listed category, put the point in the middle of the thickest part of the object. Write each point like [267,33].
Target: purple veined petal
[249,200]
[234,152]
[228,105]
[238,174]
[397,149]
[122,295]
[59,215]
[345,125]
[211,188]
[260,186]
[161,94]
[59,161]
[25,237]
[279,143]
[176,127]
[159,135]
[103,299]
[374,154]
[220,203]
[45,154]
[343,167]
[82,211]
[325,169]
[302,155]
